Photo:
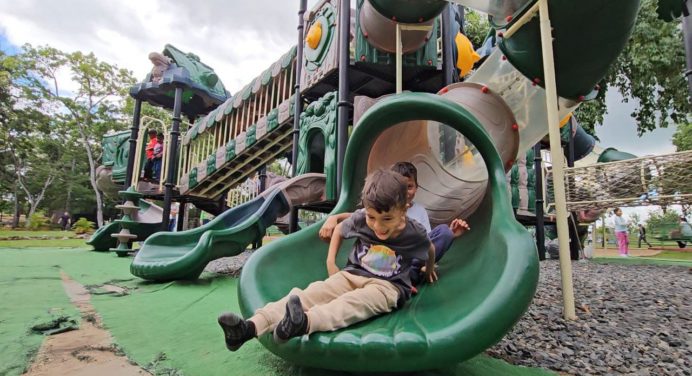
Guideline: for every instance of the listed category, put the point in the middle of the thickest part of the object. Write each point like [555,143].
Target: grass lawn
[35,234]
[169,328]
[43,243]
[672,255]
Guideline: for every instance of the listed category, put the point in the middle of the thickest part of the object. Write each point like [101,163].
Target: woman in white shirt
[621,233]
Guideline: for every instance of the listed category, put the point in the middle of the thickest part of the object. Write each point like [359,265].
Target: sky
[239,39]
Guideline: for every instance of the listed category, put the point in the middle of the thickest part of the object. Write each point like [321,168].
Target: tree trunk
[92,176]
[69,187]
[15,219]
[34,201]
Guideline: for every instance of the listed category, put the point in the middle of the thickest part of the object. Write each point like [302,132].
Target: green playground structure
[472,143]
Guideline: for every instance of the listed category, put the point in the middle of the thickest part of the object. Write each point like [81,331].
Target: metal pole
[262,172]
[449,135]
[172,158]
[574,245]
[297,108]
[540,225]
[134,134]
[687,37]
[557,160]
[399,60]
[180,222]
[343,105]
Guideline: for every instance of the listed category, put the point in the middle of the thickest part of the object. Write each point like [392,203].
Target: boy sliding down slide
[441,236]
[376,279]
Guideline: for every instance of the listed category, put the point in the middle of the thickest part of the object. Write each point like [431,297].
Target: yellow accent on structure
[466,55]
[467,159]
[565,120]
[314,35]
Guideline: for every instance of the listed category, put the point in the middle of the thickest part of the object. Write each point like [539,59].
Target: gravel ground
[632,320]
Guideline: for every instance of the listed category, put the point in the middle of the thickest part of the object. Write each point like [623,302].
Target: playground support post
[172,157]
[687,37]
[540,225]
[343,106]
[134,134]
[557,160]
[297,108]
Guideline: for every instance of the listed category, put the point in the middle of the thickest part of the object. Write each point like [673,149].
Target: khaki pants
[337,302]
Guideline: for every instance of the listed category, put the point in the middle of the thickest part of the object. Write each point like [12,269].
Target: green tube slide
[487,279]
[183,255]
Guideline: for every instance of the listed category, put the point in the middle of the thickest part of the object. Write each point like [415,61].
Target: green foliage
[682,138]
[650,71]
[83,226]
[476,27]
[659,221]
[38,221]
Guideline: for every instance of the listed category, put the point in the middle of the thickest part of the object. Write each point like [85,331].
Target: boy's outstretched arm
[334,245]
[430,275]
[330,224]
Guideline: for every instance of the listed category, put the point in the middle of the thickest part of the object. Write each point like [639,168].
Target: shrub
[37,221]
[83,226]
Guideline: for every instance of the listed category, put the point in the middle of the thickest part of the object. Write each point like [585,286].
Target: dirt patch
[86,351]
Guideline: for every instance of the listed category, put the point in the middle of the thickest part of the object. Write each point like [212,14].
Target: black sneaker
[294,323]
[236,330]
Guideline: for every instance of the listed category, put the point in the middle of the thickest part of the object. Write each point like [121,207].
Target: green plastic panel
[425,56]
[487,279]
[251,136]
[589,35]
[409,11]
[614,155]
[230,150]
[211,163]
[319,117]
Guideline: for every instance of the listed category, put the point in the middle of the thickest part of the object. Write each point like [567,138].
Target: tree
[88,111]
[682,138]
[650,70]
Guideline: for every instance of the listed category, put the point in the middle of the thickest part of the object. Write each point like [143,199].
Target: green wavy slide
[168,256]
[487,278]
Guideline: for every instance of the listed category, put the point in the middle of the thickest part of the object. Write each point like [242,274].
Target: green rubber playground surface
[167,328]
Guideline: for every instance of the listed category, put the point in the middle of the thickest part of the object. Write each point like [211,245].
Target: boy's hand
[332,268]
[459,227]
[429,277]
[328,229]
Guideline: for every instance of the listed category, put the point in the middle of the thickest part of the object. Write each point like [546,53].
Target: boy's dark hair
[151,131]
[159,135]
[384,190]
[406,169]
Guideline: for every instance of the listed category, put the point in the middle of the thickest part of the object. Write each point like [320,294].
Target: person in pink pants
[621,232]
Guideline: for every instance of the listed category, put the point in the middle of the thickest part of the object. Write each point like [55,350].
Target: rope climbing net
[657,180]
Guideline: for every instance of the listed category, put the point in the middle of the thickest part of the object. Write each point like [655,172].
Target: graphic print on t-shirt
[379,260]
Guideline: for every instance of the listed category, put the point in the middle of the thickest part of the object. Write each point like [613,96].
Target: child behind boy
[376,279]
[441,236]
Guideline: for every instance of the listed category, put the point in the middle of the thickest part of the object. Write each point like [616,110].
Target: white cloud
[238,39]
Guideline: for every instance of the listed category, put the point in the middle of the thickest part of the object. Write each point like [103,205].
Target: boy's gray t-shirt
[388,259]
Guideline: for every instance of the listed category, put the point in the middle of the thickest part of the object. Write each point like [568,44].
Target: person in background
[642,236]
[158,157]
[685,230]
[64,221]
[149,165]
[621,224]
